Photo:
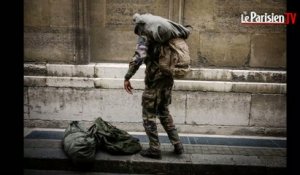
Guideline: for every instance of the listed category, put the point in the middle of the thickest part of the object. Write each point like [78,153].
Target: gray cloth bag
[158,28]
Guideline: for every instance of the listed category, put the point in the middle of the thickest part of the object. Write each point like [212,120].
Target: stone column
[82,27]
[176,8]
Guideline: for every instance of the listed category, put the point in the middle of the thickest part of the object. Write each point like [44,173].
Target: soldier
[158,89]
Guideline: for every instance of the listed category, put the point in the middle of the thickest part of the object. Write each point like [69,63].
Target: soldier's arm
[137,61]
[138,58]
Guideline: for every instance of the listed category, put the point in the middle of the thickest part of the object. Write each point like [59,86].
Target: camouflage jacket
[147,52]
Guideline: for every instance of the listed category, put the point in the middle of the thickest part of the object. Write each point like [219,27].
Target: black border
[12,94]
[12,144]
[293,110]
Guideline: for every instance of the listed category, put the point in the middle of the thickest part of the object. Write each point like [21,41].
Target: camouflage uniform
[157,94]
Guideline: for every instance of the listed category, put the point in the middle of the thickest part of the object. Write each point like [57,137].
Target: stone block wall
[84,31]
[219,39]
[193,112]
[56,31]
[49,31]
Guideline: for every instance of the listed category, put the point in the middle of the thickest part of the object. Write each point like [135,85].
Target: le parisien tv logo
[288,18]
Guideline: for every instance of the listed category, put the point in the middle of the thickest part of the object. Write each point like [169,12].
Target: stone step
[198,106]
[138,84]
[47,154]
[118,70]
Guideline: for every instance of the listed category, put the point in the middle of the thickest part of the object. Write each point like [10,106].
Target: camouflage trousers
[155,103]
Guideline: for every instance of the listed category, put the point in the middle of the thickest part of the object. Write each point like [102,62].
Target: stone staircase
[206,101]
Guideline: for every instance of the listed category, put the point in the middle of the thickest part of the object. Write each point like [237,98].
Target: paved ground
[216,155]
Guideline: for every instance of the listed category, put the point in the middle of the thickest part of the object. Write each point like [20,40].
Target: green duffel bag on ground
[78,144]
[114,140]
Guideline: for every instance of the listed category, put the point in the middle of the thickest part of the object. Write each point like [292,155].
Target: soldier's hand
[127,86]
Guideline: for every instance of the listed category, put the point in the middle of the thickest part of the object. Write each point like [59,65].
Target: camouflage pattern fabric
[155,103]
[157,94]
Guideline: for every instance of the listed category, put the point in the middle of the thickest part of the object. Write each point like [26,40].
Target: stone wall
[49,31]
[83,31]
[210,101]
[56,31]
[193,112]
[219,39]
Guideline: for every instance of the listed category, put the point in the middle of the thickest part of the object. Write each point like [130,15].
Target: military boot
[178,148]
[151,153]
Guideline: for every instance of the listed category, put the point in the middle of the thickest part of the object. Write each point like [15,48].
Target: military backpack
[175,57]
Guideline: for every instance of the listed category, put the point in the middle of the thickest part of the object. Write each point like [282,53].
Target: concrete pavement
[216,155]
